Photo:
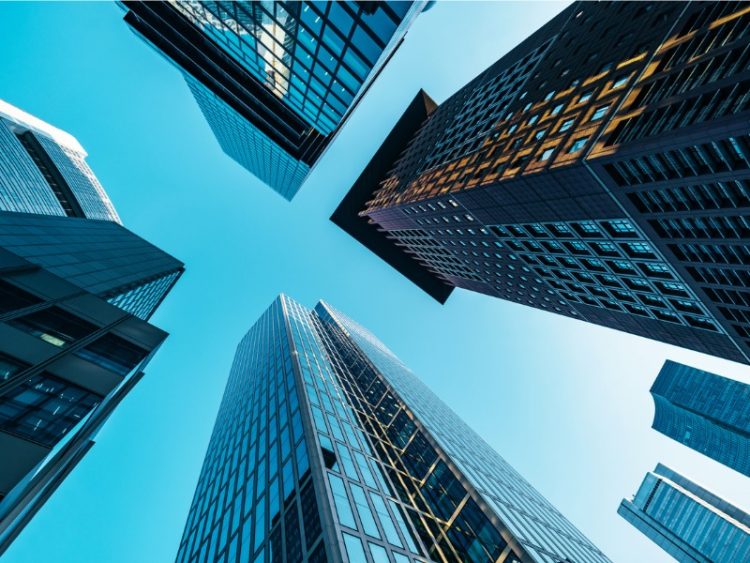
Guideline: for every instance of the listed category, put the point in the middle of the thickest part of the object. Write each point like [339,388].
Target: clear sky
[566,403]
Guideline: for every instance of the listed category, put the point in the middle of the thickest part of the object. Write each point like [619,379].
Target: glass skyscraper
[688,522]
[599,170]
[705,412]
[76,290]
[275,80]
[327,448]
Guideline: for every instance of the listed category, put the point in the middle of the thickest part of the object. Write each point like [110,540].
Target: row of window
[736,227]
[715,157]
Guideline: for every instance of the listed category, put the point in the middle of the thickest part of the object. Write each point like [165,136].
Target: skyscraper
[327,448]
[706,412]
[76,290]
[275,80]
[599,170]
[688,522]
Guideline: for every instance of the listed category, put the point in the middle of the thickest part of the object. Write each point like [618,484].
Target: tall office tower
[327,448]
[599,170]
[706,412]
[76,289]
[688,522]
[275,80]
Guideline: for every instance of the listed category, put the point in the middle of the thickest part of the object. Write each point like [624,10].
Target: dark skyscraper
[327,448]
[599,170]
[275,80]
[76,290]
[688,522]
[706,412]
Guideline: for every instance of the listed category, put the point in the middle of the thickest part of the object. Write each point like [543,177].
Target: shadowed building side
[568,176]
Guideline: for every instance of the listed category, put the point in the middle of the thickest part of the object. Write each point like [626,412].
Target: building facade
[599,170]
[275,80]
[327,448]
[688,522]
[705,412]
[76,290]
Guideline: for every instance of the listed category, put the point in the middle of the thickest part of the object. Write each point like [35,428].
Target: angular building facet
[327,448]
[76,290]
[275,80]
[688,522]
[599,170]
[705,412]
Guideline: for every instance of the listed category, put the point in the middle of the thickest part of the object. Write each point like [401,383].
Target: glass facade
[705,412]
[688,522]
[314,56]
[327,448]
[43,170]
[611,115]
[86,188]
[66,359]
[248,145]
[276,80]
[56,214]
[100,257]
[75,292]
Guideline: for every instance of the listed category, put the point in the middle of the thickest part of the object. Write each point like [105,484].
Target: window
[354,549]
[12,297]
[578,144]
[54,326]
[44,408]
[539,134]
[620,227]
[620,81]
[586,96]
[600,112]
[547,154]
[557,109]
[639,249]
[567,124]
[533,119]
[9,367]
[379,554]
[113,353]
[549,96]
[343,506]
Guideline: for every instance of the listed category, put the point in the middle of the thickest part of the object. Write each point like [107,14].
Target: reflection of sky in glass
[315,61]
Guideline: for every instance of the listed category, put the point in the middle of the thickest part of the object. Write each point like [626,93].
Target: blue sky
[566,403]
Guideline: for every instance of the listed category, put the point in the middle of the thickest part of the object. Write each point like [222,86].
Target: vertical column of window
[51,174]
